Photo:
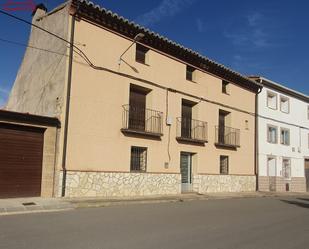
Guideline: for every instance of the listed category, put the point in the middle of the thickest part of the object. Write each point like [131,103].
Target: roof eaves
[90,4]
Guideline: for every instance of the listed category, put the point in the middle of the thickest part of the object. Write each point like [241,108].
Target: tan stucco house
[140,114]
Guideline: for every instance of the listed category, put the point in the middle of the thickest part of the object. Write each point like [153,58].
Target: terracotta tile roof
[96,13]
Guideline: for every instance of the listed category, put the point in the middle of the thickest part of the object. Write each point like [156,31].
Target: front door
[186,172]
[271,167]
[307,173]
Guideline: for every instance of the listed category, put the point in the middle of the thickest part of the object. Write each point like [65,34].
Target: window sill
[272,142]
[192,81]
[275,109]
[140,62]
[138,171]
[228,94]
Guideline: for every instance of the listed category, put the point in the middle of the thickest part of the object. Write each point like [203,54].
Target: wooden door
[186,120]
[221,128]
[137,111]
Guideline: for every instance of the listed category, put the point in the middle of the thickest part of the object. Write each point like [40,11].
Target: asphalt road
[231,223]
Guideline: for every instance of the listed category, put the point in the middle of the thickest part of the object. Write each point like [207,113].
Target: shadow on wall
[300,202]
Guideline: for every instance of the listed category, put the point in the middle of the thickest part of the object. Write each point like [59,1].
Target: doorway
[186,171]
[271,171]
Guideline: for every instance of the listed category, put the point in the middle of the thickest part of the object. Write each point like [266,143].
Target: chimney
[39,10]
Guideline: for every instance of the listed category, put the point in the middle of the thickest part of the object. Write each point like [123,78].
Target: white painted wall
[296,120]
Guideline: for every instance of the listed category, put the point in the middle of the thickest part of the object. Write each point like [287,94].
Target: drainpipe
[67,111]
[256,137]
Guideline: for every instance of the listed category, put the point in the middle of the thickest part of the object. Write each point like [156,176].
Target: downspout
[67,111]
[256,137]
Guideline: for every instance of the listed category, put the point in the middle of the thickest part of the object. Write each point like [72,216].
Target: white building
[282,138]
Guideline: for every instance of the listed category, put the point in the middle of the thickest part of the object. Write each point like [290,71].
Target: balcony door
[137,109]
[222,117]
[186,119]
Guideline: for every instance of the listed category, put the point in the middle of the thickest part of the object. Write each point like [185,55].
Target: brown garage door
[21,152]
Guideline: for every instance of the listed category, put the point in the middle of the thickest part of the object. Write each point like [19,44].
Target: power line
[29,46]
[80,52]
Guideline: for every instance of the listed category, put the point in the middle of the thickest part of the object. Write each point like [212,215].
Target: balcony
[191,131]
[141,121]
[227,137]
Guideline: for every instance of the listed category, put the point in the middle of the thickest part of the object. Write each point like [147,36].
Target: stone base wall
[278,184]
[223,183]
[92,184]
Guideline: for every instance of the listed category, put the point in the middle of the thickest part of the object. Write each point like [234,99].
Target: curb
[12,210]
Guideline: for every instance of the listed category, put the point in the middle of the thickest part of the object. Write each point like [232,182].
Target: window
[141,54]
[272,100]
[284,104]
[138,159]
[190,73]
[224,165]
[286,168]
[285,136]
[225,87]
[272,134]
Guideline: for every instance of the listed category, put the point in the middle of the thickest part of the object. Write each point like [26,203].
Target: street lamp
[137,38]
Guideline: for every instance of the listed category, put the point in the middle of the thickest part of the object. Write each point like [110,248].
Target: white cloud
[167,8]
[200,24]
[254,19]
[252,34]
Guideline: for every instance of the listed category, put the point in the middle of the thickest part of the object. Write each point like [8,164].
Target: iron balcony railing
[227,136]
[191,129]
[142,120]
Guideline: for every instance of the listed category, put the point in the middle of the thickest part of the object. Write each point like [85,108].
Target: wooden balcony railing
[142,121]
[227,136]
[191,130]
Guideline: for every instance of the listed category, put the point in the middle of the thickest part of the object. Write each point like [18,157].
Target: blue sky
[266,37]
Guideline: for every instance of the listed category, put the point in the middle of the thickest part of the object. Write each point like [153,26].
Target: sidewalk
[104,202]
[37,204]
[33,204]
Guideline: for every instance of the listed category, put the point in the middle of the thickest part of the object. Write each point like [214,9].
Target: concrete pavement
[33,204]
[36,204]
[237,223]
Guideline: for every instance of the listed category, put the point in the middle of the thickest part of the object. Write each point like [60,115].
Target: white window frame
[281,137]
[288,103]
[269,137]
[275,95]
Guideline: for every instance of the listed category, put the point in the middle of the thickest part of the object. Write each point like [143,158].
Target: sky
[269,38]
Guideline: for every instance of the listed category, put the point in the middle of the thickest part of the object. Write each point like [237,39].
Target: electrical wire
[88,61]
[80,52]
[29,46]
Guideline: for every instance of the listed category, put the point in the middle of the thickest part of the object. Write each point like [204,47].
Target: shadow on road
[301,202]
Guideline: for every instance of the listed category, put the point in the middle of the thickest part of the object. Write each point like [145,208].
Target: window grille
[138,159]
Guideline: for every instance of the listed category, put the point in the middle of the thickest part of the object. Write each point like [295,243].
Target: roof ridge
[165,39]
